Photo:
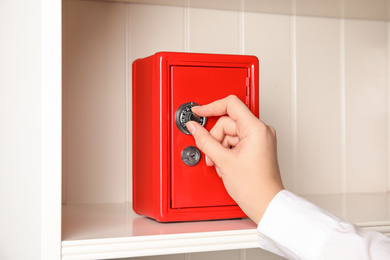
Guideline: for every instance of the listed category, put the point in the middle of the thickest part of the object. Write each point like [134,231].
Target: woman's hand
[243,150]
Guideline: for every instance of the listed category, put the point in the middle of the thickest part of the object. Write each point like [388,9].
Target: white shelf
[106,231]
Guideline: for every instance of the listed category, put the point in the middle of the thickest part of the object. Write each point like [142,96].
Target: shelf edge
[110,248]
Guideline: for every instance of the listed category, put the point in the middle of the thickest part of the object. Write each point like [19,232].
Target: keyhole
[190,155]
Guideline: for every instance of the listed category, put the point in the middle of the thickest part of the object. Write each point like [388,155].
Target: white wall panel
[367,9]
[318,106]
[329,8]
[215,4]
[269,38]
[249,254]
[154,28]
[259,254]
[213,31]
[94,102]
[219,255]
[366,109]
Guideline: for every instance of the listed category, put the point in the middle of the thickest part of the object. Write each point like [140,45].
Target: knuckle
[272,130]
[265,130]
[220,123]
[223,120]
[232,99]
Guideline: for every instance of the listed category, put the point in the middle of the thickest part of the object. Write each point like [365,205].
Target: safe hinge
[247,86]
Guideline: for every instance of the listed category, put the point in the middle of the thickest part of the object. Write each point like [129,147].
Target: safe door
[198,185]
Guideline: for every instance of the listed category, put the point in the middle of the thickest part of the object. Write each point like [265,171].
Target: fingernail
[207,160]
[191,128]
[195,108]
[218,172]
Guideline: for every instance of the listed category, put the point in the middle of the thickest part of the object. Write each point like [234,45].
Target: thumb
[208,144]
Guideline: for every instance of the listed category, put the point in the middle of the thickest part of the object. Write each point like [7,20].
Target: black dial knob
[184,114]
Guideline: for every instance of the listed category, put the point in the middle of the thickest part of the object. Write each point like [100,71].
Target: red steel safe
[171,181]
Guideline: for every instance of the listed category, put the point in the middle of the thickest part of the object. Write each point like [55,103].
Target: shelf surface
[106,231]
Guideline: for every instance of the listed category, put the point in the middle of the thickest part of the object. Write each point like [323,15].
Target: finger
[231,106]
[224,126]
[230,141]
[208,144]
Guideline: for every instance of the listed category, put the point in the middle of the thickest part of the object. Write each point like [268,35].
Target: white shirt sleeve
[294,228]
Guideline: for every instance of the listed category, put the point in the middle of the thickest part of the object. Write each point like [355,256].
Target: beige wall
[323,86]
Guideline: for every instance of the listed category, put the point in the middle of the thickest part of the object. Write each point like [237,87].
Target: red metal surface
[164,188]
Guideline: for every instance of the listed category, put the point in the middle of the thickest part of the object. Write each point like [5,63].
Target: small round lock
[190,155]
[184,114]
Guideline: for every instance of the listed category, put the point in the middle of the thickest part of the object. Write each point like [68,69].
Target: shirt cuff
[294,227]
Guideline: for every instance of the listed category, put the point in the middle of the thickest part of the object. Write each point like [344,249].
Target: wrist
[256,208]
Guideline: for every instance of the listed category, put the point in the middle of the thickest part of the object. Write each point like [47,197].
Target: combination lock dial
[184,114]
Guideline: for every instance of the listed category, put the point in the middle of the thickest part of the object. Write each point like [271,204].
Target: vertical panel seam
[242,254]
[187,26]
[388,105]
[294,117]
[127,107]
[342,103]
[64,178]
[241,26]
